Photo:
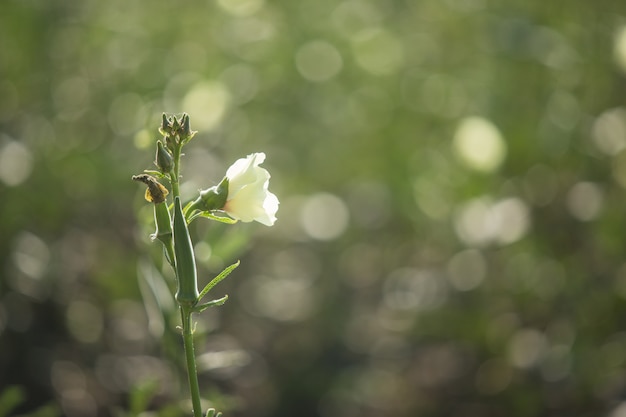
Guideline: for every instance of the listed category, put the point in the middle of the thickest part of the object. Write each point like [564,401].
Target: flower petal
[248,196]
[245,171]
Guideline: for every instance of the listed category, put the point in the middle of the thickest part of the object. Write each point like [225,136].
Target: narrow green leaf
[154,173]
[201,307]
[191,216]
[211,216]
[141,396]
[217,279]
[186,207]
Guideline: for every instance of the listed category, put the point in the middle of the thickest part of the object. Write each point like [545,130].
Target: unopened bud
[186,133]
[175,125]
[164,159]
[165,128]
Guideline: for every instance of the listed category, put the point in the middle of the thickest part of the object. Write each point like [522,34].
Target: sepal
[211,199]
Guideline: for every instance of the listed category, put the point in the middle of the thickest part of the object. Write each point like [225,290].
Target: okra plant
[242,195]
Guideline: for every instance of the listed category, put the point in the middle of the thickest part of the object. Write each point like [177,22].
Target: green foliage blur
[451,239]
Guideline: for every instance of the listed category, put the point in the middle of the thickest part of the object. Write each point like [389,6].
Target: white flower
[248,196]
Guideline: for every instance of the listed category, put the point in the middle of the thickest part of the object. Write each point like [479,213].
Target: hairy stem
[191,360]
[175,174]
[185,311]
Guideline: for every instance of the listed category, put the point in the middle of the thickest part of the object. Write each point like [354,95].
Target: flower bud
[175,125]
[164,159]
[186,133]
[165,128]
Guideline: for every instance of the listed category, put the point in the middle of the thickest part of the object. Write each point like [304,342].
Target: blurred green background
[451,237]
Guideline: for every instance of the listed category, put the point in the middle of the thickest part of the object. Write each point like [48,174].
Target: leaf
[213,303]
[211,216]
[217,279]
[141,396]
[157,174]
[156,295]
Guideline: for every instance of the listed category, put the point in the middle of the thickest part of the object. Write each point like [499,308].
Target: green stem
[185,310]
[175,174]
[191,360]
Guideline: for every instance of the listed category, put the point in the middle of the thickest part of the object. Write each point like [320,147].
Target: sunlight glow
[619,49]
[479,144]
[526,348]
[241,7]
[585,200]
[324,216]
[206,104]
[318,61]
[467,270]
[480,222]
[378,51]
[608,131]
[16,163]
